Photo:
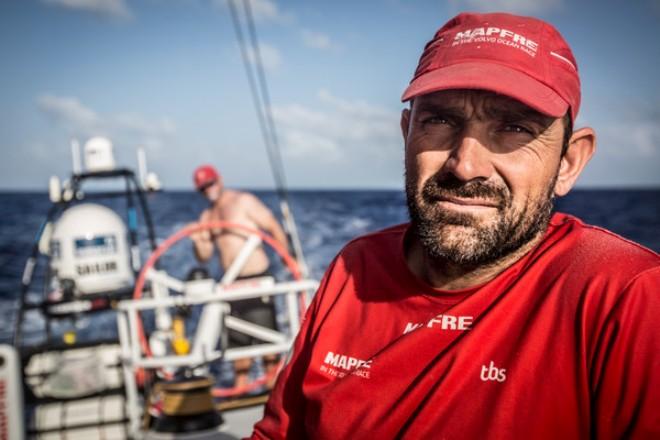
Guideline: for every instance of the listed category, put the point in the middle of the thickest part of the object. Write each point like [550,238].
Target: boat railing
[135,358]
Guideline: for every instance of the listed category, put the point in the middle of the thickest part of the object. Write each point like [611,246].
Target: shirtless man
[245,209]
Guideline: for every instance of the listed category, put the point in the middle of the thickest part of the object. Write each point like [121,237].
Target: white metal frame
[209,329]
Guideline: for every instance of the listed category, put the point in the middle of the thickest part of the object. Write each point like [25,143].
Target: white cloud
[338,129]
[316,40]
[303,143]
[270,56]
[631,139]
[514,6]
[635,133]
[358,108]
[265,10]
[262,10]
[81,121]
[107,8]
[138,124]
[69,111]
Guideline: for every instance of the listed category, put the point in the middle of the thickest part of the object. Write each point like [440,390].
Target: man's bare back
[236,207]
[244,209]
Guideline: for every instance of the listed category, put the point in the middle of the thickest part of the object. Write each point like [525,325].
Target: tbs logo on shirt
[491,372]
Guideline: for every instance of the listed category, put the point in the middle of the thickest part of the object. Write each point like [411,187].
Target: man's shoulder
[367,261]
[386,240]
[234,197]
[237,193]
[595,248]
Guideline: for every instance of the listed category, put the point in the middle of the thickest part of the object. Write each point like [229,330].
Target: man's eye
[515,128]
[436,120]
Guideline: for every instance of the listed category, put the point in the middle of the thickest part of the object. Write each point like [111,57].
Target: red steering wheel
[291,264]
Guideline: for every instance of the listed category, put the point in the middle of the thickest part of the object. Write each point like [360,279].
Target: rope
[262,104]
[274,144]
[253,89]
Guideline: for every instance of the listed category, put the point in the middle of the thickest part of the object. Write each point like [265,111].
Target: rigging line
[272,145]
[287,214]
[253,85]
[265,94]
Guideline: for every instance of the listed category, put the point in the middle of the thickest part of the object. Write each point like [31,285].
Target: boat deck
[239,422]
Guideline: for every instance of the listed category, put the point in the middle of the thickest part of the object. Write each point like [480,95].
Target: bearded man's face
[480,174]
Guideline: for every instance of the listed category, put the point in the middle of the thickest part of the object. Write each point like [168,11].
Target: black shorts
[260,311]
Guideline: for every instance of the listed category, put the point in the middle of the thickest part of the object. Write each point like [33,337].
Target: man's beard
[476,243]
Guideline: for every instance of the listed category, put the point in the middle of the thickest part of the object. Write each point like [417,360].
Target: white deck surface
[239,422]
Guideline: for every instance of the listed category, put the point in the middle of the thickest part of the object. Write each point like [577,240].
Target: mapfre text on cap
[496,35]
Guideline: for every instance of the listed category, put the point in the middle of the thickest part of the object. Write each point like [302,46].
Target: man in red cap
[486,316]
[245,209]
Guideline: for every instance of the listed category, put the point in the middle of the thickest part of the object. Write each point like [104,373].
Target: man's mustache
[449,186]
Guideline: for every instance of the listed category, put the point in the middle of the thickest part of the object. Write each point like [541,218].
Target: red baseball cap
[205,175]
[520,57]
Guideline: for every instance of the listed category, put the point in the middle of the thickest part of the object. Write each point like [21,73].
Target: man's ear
[405,123]
[581,147]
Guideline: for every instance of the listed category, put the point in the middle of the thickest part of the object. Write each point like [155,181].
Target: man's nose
[470,157]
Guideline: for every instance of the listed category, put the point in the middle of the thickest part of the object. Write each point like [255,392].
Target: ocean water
[326,220]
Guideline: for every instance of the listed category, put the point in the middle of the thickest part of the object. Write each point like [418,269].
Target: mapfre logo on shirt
[339,365]
[345,362]
[443,322]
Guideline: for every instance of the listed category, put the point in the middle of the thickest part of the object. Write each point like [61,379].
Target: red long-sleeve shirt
[565,343]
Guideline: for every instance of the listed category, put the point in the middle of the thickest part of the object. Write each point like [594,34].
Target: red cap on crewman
[521,57]
[204,176]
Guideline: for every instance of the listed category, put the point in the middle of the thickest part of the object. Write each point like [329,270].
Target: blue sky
[167,75]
